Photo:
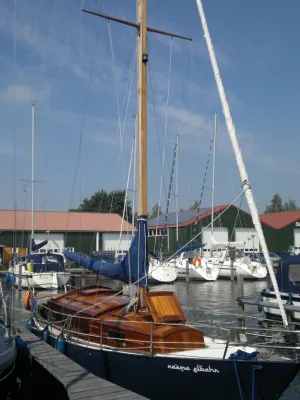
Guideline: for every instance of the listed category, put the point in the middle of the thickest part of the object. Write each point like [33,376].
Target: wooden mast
[142,108]
[142,64]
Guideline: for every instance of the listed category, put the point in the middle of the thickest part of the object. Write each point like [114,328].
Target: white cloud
[188,122]
[23,93]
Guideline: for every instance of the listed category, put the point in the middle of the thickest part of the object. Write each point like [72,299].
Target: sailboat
[218,256]
[145,343]
[39,270]
[160,270]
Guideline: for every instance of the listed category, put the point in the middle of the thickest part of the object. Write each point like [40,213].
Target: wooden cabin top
[102,302]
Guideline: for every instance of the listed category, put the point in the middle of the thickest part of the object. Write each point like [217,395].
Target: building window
[156,232]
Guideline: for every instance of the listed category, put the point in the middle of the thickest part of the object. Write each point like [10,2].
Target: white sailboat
[200,268]
[219,252]
[242,264]
[40,270]
[159,271]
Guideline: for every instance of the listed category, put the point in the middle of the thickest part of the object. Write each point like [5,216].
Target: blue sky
[257,49]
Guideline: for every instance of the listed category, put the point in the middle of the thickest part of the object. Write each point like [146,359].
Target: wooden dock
[79,384]
[287,307]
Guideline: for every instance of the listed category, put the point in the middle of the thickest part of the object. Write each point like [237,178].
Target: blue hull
[177,378]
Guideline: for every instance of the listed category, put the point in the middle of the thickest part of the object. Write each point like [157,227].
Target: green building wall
[20,238]
[83,242]
[276,239]
[279,239]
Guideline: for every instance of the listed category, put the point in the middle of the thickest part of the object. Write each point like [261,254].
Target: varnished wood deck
[79,383]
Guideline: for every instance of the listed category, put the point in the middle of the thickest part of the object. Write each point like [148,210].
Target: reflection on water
[203,302]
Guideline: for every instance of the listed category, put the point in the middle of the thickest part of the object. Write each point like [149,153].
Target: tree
[290,205]
[195,205]
[106,202]
[276,205]
[156,210]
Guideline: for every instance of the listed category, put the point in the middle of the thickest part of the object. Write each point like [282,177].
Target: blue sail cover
[35,247]
[192,247]
[284,281]
[132,269]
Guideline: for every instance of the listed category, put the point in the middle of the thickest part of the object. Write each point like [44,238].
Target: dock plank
[78,382]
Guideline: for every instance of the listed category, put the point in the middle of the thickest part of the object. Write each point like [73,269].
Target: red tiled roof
[281,219]
[62,221]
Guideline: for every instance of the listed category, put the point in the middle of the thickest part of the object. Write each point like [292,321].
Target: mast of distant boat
[239,159]
[213,182]
[32,169]
[176,188]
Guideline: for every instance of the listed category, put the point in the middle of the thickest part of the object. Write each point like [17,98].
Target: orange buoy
[197,262]
[27,300]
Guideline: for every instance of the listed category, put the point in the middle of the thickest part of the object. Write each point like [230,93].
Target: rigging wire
[83,119]
[126,105]
[156,125]
[126,191]
[117,95]
[14,141]
[14,122]
[203,184]
[165,133]
[240,215]
[168,200]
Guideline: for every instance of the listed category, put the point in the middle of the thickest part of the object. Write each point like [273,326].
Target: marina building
[88,232]
[282,230]
[83,232]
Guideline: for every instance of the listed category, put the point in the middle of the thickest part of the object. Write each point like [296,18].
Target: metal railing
[150,345]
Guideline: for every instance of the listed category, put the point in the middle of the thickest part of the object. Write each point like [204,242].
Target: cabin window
[118,337]
[294,274]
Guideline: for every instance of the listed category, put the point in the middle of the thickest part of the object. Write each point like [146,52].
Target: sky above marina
[79,72]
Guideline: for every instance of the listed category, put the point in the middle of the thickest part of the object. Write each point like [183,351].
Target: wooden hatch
[164,307]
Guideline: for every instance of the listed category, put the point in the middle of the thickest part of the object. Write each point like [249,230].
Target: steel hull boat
[102,331]
[179,377]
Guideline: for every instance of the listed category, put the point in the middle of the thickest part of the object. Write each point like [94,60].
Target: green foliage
[195,205]
[106,202]
[276,205]
[156,210]
[290,205]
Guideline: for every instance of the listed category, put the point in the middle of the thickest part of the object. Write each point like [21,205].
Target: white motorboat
[45,271]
